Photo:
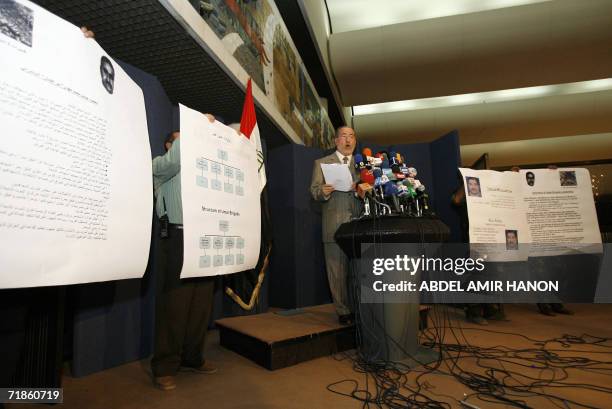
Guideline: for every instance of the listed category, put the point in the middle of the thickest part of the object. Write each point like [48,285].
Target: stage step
[279,339]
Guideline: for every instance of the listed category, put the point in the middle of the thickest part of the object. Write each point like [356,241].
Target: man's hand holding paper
[337,175]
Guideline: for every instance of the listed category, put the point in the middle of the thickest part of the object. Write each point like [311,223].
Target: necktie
[345,160]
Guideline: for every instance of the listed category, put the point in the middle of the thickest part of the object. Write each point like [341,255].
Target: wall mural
[254,33]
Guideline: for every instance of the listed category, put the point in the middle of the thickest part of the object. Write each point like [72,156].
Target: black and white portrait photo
[16,21]
[107,73]
[567,178]
[512,240]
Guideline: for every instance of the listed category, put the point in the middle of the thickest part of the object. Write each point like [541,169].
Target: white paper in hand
[338,176]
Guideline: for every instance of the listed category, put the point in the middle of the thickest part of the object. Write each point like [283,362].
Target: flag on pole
[249,128]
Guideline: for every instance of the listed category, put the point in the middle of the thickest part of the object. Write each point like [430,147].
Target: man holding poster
[183,307]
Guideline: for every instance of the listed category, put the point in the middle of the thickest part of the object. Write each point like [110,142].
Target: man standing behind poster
[183,307]
[338,207]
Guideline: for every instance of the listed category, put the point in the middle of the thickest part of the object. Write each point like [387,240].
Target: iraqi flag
[249,128]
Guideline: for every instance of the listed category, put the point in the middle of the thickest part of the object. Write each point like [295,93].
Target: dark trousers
[14,305]
[337,266]
[182,311]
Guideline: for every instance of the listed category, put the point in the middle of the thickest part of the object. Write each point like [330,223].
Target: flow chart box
[204,261]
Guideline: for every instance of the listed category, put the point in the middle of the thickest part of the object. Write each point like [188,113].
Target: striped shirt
[167,184]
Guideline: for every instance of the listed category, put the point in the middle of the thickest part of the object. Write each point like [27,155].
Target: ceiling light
[485,97]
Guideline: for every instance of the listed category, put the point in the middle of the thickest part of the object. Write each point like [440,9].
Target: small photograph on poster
[568,178]
[107,73]
[530,178]
[473,186]
[16,22]
[512,240]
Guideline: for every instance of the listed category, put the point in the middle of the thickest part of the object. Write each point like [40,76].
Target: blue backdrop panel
[297,274]
[113,321]
[445,160]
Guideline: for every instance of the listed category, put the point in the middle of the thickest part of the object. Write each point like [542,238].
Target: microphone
[390,190]
[409,187]
[393,159]
[359,163]
[364,189]
[397,172]
[367,176]
[366,152]
[389,173]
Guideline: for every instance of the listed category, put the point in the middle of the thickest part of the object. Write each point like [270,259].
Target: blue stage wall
[297,276]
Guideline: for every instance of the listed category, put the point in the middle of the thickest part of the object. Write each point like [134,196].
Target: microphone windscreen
[393,158]
[390,189]
[364,188]
[366,152]
[358,160]
[367,176]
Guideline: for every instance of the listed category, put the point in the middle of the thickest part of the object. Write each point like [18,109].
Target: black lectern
[389,330]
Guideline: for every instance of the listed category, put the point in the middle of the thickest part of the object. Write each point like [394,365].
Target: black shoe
[546,310]
[560,309]
[346,319]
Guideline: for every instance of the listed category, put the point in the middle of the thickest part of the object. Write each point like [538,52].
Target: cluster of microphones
[389,186]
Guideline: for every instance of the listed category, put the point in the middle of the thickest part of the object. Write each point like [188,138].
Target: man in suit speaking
[338,207]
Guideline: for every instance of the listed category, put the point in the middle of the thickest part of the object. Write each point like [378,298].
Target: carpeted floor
[241,384]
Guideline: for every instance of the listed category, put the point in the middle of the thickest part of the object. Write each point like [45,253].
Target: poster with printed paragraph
[560,211]
[220,195]
[75,165]
[531,213]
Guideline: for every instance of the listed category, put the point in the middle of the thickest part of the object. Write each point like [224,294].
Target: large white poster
[220,195]
[531,213]
[75,164]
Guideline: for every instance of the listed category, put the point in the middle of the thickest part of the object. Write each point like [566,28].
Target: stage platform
[279,339]
[284,338]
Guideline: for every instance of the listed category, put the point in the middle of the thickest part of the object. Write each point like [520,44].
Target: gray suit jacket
[339,207]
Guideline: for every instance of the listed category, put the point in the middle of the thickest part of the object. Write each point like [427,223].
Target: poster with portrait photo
[531,213]
[495,208]
[76,166]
